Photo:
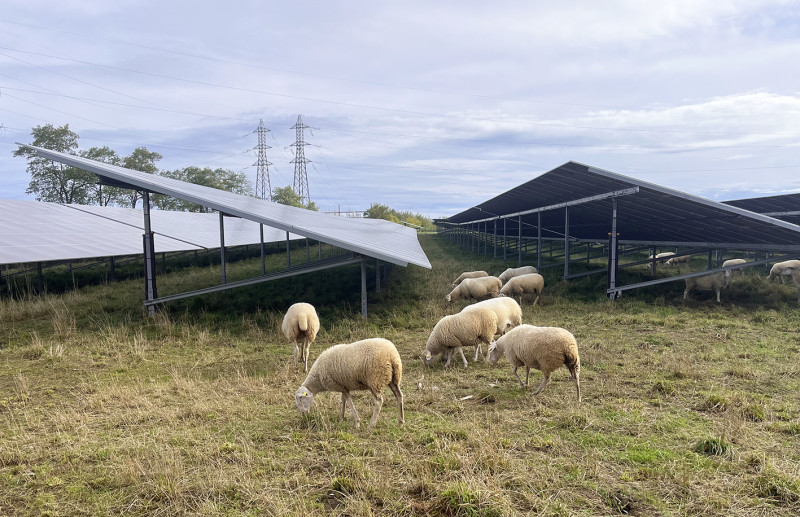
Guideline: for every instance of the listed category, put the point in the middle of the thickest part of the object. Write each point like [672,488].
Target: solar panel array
[388,242]
[41,232]
[653,215]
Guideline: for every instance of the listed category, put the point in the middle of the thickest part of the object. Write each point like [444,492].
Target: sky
[430,107]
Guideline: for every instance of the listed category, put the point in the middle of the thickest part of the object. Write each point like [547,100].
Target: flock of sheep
[721,279]
[372,364]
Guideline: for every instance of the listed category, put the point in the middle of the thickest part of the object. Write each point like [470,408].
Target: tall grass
[690,408]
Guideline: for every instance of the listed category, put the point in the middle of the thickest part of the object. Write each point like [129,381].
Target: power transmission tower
[263,186]
[300,185]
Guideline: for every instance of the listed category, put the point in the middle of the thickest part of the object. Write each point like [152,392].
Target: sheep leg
[461,351]
[447,355]
[544,383]
[376,411]
[537,297]
[295,354]
[685,294]
[574,373]
[398,395]
[519,378]
[306,349]
[478,350]
[718,296]
[346,398]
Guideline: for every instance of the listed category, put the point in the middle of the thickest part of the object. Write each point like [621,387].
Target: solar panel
[388,242]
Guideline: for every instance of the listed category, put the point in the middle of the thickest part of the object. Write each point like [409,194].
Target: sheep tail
[302,322]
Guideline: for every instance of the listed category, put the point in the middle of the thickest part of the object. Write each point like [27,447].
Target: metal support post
[222,246]
[308,252]
[377,276]
[364,288]
[288,254]
[612,251]
[710,260]
[539,242]
[566,241]
[263,252]
[150,291]
[494,239]
[519,240]
[505,242]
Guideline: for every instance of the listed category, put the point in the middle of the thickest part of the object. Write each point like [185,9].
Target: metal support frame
[612,253]
[539,242]
[222,246]
[519,240]
[288,253]
[377,276]
[364,288]
[150,291]
[566,241]
[494,239]
[263,251]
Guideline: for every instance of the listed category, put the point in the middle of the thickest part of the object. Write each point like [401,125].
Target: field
[689,408]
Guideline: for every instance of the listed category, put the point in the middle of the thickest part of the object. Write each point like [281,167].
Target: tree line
[59,183]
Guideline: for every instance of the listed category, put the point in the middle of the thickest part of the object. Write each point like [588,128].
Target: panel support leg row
[263,252]
[539,241]
[612,252]
[288,254]
[222,246]
[566,241]
[150,292]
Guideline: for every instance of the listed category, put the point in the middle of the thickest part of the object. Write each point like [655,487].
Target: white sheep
[454,332]
[369,364]
[512,272]
[487,286]
[469,274]
[543,348]
[676,261]
[712,282]
[508,311]
[734,262]
[523,284]
[795,274]
[781,269]
[300,325]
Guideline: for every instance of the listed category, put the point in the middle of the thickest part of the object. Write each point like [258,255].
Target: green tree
[287,196]
[98,193]
[51,181]
[139,160]
[378,211]
[223,179]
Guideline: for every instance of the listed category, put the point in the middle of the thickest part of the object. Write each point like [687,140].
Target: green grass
[689,408]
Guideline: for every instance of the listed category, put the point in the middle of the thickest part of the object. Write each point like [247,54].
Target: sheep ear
[428,355]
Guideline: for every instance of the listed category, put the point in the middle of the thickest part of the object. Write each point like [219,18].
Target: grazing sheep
[662,257]
[487,286]
[781,269]
[512,272]
[543,348]
[369,364]
[300,325]
[454,332]
[519,285]
[713,282]
[469,274]
[508,311]
[677,261]
[734,262]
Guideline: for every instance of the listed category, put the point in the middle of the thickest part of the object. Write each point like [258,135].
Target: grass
[689,408]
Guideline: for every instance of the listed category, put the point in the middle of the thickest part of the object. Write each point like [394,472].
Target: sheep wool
[542,348]
[453,332]
[477,288]
[512,272]
[300,326]
[508,311]
[734,262]
[469,274]
[523,284]
[713,282]
[783,269]
[369,364]
[795,274]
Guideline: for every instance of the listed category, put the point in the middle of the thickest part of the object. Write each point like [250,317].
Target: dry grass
[689,409]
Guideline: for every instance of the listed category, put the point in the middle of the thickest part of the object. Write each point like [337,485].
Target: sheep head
[303,398]
[427,358]
[494,353]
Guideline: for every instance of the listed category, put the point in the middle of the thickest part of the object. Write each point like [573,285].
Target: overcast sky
[425,106]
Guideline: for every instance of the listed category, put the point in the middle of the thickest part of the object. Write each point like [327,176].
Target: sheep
[451,333]
[519,285]
[795,274]
[512,272]
[508,311]
[369,364]
[469,274]
[543,348]
[300,325]
[487,286]
[781,269]
[713,282]
[734,262]
[677,261]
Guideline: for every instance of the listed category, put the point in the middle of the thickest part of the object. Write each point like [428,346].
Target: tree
[97,193]
[379,211]
[287,196]
[139,160]
[51,181]
[222,179]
